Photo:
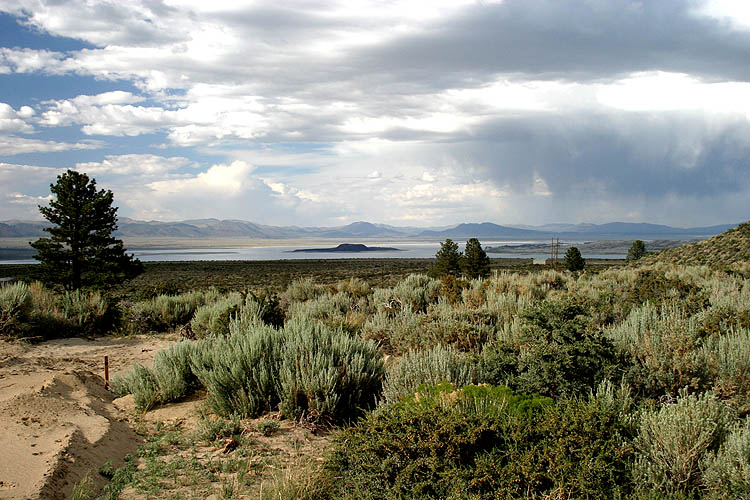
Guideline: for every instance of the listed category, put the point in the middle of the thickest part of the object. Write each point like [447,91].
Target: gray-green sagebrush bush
[16,306]
[673,440]
[726,473]
[326,374]
[170,379]
[312,371]
[165,312]
[213,318]
[240,371]
[428,367]
[32,311]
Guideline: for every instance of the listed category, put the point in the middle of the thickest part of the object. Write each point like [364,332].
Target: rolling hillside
[729,247]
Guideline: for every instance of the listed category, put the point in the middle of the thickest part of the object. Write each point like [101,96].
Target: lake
[407,251]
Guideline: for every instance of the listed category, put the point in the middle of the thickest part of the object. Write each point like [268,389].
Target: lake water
[406,251]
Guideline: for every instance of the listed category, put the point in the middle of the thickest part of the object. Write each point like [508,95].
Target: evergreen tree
[637,250]
[476,263]
[573,259]
[447,260]
[81,251]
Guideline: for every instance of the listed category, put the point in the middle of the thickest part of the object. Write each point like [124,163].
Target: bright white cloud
[658,91]
[15,121]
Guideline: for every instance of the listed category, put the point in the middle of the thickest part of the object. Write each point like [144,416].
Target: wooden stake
[106,372]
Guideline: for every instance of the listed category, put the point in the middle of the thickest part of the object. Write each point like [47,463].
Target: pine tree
[447,260]
[81,251]
[476,263]
[637,250]
[573,259]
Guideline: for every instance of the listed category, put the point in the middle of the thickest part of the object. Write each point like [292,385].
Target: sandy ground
[57,421]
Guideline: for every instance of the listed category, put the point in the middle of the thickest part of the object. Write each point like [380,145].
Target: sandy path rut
[57,422]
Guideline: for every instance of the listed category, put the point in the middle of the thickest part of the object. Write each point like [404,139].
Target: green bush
[214,318]
[165,312]
[16,307]
[172,372]
[326,375]
[482,442]
[240,371]
[726,473]
[414,292]
[556,354]
[141,383]
[662,344]
[430,367]
[674,439]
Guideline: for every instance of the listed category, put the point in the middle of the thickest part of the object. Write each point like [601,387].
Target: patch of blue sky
[23,89]
[14,33]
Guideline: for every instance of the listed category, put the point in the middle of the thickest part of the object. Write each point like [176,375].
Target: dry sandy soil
[57,421]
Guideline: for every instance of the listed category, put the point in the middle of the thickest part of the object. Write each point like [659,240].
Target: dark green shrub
[556,355]
[653,286]
[482,442]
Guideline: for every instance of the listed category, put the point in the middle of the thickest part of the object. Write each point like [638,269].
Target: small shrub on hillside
[655,287]
[300,290]
[327,375]
[212,429]
[726,358]
[396,332]
[165,312]
[338,310]
[354,287]
[429,367]
[673,440]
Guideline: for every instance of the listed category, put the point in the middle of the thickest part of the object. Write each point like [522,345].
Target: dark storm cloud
[613,154]
[566,40]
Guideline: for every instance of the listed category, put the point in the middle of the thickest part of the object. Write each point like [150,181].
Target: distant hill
[484,230]
[729,247]
[231,228]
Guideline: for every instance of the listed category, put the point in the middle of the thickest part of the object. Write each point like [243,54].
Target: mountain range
[215,228]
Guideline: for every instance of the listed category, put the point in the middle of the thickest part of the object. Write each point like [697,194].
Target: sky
[322,113]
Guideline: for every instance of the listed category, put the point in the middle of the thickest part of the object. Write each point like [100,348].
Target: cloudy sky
[403,112]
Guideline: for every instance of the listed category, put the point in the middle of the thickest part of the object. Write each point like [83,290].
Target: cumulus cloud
[15,121]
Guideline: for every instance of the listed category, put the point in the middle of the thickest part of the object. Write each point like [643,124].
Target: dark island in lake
[349,247]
